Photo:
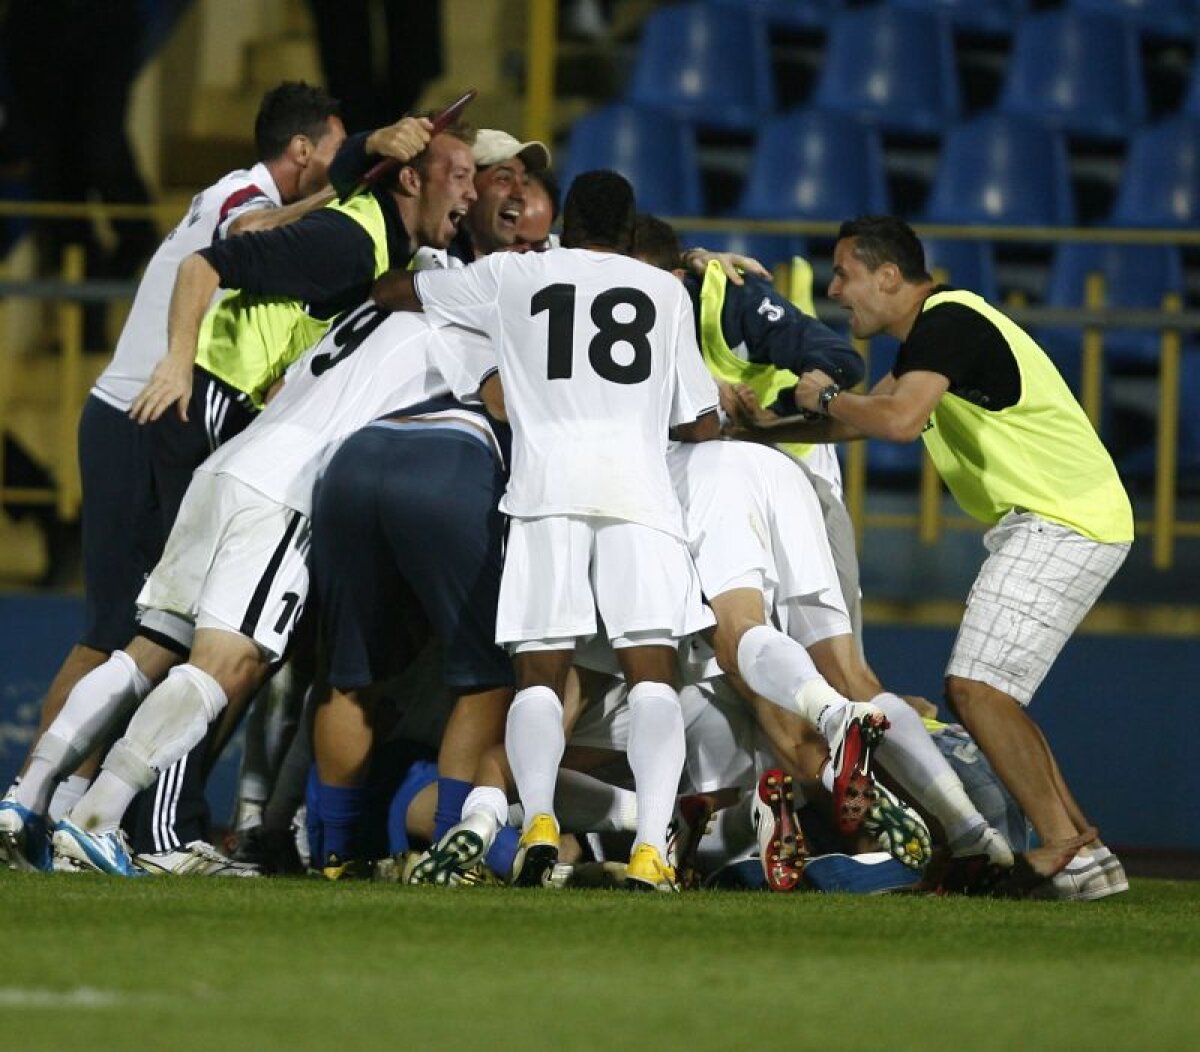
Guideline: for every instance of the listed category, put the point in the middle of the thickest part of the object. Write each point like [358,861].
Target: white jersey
[598,357]
[143,340]
[371,363]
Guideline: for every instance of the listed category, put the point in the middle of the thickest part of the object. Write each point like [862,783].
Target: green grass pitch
[90,963]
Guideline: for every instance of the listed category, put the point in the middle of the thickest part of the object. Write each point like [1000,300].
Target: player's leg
[439,506]
[649,597]
[94,710]
[546,603]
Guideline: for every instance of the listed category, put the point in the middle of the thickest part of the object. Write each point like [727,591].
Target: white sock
[656,752]
[66,796]
[917,764]
[534,740]
[96,704]
[588,805]
[779,669]
[171,721]
[490,801]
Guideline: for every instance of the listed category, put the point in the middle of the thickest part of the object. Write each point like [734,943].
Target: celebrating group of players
[398,413]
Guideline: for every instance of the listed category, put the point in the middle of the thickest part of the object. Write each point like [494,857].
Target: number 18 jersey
[598,357]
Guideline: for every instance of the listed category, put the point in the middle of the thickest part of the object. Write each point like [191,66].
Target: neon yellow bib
[249,341]
[1040,454]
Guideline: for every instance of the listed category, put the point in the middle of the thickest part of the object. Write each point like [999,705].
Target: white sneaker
[1114,872]
[195,859]
[1083,879]
[988,842]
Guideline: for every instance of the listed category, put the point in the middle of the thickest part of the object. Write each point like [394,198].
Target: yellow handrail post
[1166,460]
[541,55]
[856,464]
[1092,369]
[929,519]
[71,373]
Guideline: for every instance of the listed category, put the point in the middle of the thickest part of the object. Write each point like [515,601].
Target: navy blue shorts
[216,413]
[123,532]
[407,515]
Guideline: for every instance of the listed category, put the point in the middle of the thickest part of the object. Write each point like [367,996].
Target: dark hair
[548,181]
[887,239]
[599,210]
[293,108]
[655,242]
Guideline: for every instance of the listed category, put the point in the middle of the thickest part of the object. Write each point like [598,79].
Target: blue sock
[452,794]
[341,820]
[503,852]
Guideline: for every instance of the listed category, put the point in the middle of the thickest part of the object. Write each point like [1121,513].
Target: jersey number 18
[559,301]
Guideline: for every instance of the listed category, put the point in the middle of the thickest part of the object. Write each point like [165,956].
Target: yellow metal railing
[1164,526]
[929,521]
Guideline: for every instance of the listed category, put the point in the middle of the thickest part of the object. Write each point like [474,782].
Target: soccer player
[1017,452]
[233,578]
[126,514]
[598,362]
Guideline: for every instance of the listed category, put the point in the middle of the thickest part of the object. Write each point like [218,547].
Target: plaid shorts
[1037,584]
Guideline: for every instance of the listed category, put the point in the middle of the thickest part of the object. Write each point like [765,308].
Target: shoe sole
[538,861]
[636,884]
[449,860]
[897,833]
[12,852]
[696,811]
[779,860]
[854,789]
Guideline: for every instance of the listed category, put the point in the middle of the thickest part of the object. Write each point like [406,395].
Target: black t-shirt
[966,348]
[325,259]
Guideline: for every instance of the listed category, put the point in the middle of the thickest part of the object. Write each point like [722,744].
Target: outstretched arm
[396,290]
[171,382]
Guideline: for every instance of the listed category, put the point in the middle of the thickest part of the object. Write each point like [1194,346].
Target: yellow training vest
[765,380]
[1041,454]
[249,341]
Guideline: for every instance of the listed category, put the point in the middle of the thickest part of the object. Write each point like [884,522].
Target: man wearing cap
[502,166]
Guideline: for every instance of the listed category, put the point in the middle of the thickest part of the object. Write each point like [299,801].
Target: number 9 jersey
[598,358]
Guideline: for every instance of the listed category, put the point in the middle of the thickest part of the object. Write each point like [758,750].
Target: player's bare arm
[171,382]
[260,219]
[704,428]
[396,290]
[491,393]
[897,411]
[734,264]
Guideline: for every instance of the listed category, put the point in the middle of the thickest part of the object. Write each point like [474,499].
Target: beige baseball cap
[493,146]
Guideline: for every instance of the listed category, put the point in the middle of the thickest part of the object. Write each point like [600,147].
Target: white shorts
[560,570]
[1036,586]
[236,560]
[719,732]
[754,520]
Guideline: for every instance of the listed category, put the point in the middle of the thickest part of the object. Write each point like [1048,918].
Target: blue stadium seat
[972,16]
[1160,183]
[1161,19]
[968,265]
[1140,462]
[813,164]
[768,249]
[1077,71]
[893,68]
[1134,276]
[706,64]
[901,459]
[651,149]
[1191,101]
[786,14]
[999,168]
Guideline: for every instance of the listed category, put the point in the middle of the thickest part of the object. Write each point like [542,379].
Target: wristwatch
[826,397]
